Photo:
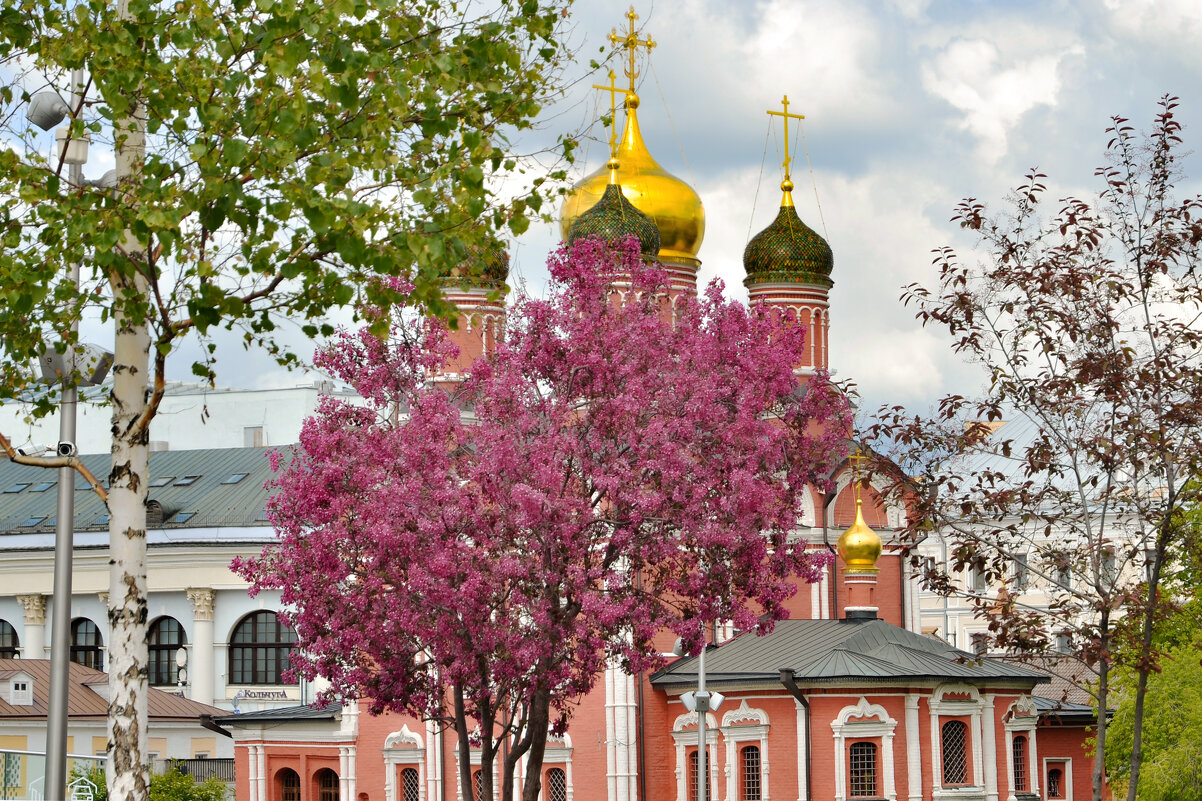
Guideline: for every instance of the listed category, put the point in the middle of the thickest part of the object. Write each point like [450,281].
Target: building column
[913,748]
[34,641]
[989,736]
[802,766]
[201,669]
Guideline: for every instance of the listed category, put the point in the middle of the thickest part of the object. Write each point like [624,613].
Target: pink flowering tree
[476,554]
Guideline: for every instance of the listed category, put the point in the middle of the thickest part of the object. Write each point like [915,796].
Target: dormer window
[20,691]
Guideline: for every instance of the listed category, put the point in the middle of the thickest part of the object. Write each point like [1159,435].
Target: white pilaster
[913,748]
[34,636]
[990,740]
[201,669]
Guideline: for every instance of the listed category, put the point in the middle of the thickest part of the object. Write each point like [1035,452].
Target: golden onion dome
[859,547]
[788,250]
[670,202]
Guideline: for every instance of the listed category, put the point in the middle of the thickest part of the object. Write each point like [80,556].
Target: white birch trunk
[128,773]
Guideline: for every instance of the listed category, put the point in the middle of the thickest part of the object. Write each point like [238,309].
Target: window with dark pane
[289,785]
[861,770]
[259,649]
[166,638]
[1018,747]
[749,772]
[327,785]
[410,785]
[10,646]
[1055,782]
[557,785]
[86,646]
[693,778]
[953,743]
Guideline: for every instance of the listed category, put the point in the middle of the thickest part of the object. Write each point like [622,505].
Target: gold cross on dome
[630,42]
[613,113]
[785,102]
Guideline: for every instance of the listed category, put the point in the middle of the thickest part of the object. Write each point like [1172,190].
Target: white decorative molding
[403,749]
[863,721]
[743,725]
[971,707]
[1021,718]
[684,732]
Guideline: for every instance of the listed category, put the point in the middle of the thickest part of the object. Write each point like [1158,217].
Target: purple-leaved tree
[475,555]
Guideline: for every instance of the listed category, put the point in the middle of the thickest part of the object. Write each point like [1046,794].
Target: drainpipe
[786,678]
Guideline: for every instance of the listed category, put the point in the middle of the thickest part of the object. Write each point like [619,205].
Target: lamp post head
[46,110]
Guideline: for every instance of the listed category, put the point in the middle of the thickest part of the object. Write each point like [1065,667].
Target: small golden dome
[859,547]
[670,202]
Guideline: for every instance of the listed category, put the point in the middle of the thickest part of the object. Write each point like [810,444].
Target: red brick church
[846,700]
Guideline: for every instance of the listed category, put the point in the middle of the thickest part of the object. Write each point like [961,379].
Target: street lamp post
[46,111]
[702,702]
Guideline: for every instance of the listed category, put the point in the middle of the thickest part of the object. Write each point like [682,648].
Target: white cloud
[993,89]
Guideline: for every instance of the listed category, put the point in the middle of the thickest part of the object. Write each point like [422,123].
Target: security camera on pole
[702,702]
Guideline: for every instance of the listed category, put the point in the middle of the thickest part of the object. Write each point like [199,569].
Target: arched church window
[861,770]
[557,785]
[953,744]
[327,785]
[166,638]
[259,649]
[750,772]
[693,779]
[1055,783]
[86,645]
[1018,748]
[10,646]
[410,786]
[289,782]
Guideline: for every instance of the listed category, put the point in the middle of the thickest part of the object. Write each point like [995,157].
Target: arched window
[289,784]
[10,646]
[861,770]
[166,638]
[749,769]
[86,646]
[557,785]
[327,784]
[693,779]
[1018,748]
[1055,783]
[259,649]
[410,785]
[953,743]
[477,785]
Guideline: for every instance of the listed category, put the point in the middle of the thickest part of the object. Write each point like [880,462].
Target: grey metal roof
[830,651]
[280,714]
[214,503]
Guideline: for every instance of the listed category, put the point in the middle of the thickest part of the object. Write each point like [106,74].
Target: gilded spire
[787,184]
[613,163]
[631,43]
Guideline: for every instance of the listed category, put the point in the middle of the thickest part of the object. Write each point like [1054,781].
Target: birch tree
[274,161]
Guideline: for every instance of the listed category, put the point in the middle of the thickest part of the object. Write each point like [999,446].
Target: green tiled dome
[788,251]
[614,216]
[485,267]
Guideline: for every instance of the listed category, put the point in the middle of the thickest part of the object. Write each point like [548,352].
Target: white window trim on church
[1022,718]
[745,725]
[553,756]
[403,749]
[971,708]
[846,729]
[684,740]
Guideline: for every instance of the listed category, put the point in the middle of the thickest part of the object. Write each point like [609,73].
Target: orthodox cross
[631,43]
[858,458]
[785,102]
[613,113]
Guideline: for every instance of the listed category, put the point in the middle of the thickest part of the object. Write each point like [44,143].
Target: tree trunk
[1099,755]
[1141,688]
[540,711]
[466,792]
[128,773]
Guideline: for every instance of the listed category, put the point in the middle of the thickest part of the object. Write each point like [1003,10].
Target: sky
[910,106]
